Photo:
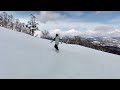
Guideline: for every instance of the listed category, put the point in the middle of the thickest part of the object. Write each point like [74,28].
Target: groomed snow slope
[24,56]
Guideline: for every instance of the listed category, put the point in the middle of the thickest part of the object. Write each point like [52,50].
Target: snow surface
[27,57]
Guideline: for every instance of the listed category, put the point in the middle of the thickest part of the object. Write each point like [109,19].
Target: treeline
[76,40]
[8,21]
[84,42]
[113,49]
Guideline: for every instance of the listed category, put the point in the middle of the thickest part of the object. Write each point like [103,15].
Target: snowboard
[57,51]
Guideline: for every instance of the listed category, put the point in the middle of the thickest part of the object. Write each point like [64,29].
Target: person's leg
[57,47]
[54,46]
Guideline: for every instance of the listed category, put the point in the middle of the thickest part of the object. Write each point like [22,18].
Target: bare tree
[5,19]
[17,24]
[10,21]
[32,25]
[45,34]
[1,20]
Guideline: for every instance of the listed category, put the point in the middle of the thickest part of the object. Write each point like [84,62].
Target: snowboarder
[57,40]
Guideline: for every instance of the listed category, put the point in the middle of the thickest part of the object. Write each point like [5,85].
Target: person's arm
[61,41]
[52,40]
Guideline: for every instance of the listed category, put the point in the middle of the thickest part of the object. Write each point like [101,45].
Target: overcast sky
[95,23]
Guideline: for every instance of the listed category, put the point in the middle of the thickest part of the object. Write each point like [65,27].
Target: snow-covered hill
[24,56]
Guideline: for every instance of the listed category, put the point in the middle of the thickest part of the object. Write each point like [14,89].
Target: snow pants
[56,47]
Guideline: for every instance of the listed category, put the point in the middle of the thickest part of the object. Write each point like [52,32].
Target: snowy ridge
[24,56]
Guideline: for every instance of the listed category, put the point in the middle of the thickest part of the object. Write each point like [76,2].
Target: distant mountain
[105,41]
